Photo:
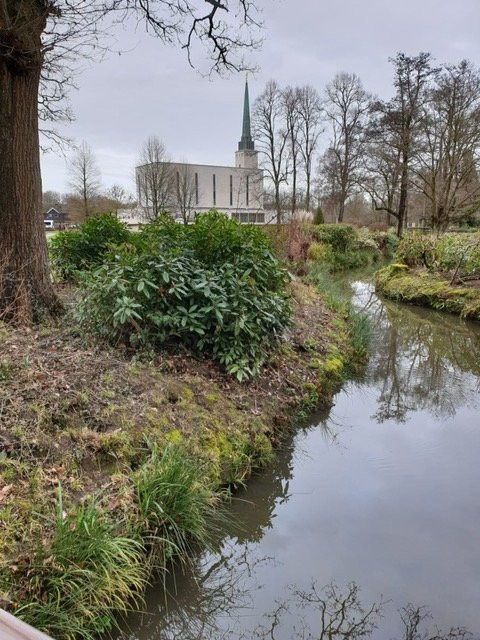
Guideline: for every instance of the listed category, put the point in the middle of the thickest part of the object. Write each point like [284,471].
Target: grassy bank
[111,465]
[401,283]
[439,272]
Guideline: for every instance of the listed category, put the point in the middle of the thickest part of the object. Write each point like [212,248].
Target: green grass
[175,501]
[88,571]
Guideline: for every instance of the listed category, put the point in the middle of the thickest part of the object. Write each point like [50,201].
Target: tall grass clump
[176,502]
[86,573]
[213,286]
[338,300]
[84,248]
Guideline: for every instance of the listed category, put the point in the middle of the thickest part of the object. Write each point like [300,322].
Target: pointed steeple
[246,143]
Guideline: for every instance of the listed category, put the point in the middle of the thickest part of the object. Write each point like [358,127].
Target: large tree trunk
[26,291]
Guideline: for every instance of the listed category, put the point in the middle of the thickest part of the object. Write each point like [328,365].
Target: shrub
[416,249]
[444,254]
[85,248]
[223,299]
[318,217]
[341,237]
[319,252]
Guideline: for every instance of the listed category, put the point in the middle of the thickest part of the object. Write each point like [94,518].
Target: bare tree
[291,101]
[154,178]
[85,180]
[346,106]
[117,198]
[40,42]
[449,157]
[310,114]
[272,136]
[185,191]
[396,123]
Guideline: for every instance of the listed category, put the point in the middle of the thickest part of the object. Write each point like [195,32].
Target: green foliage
[444,254]
[6,370]
[213,286]
[346,247]
[175,501]
[319,252]
[85,248]
[416,248]
[341,237]
[88,571]
[400,283]
[318,217]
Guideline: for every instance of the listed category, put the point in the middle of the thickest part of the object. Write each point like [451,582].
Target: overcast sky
[151,89]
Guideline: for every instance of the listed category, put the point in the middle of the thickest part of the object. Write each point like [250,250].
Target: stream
[382,491]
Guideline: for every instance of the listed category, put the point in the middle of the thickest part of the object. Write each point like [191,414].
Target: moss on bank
[399,282]
[112,466]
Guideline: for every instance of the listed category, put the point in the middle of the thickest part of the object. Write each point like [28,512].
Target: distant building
[195,188]
[54,219]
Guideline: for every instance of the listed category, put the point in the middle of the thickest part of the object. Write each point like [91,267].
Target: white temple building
[186,189]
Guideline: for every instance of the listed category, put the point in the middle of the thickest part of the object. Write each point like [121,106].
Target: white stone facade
[186,189]
[236,191]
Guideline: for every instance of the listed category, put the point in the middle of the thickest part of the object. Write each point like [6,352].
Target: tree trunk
[277,204]
[26,291]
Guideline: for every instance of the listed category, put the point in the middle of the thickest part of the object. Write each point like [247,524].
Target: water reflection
[393,509]
[421,360]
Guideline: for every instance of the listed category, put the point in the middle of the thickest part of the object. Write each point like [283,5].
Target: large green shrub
[341,237]
[447,253]
[415,249]
[85,247]
[215,288]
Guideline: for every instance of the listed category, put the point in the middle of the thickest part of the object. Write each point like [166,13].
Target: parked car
[48,224]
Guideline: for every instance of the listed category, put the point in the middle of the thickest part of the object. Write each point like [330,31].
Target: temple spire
[246,143]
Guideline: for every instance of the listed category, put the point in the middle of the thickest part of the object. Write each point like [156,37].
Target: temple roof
[246,143]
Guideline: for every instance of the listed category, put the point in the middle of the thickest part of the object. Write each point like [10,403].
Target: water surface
[382,490]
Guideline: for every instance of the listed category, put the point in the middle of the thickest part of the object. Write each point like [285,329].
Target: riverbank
[110,465]
[416,286]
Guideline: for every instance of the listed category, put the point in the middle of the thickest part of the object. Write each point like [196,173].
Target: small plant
[175,501]
[87,569]
[84,248]
[6,371]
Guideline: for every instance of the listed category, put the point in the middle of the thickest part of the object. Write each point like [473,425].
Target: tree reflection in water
[425,360]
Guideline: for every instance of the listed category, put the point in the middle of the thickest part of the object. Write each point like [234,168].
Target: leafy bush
[416,249]
[319,252]
[225,299]
[341,237]
[84,248]
[444,254]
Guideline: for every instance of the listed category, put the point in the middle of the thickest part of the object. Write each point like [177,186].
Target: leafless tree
[118,198]
[40,44]
[395,125]
[449,156]
[346,106]
[291,103]
[272,137]
[85,181]
[155,178]
[310,119]
[185,191]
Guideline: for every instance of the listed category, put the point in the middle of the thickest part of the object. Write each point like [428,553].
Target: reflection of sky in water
[389,498]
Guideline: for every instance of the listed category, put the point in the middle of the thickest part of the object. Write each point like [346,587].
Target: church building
[196,188]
